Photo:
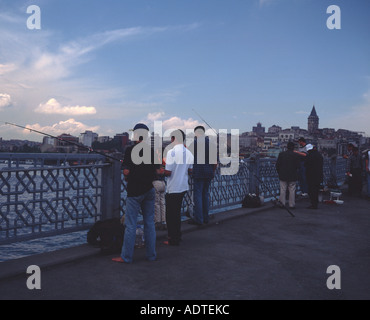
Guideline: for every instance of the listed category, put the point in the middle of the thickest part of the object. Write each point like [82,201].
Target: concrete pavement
[243,254]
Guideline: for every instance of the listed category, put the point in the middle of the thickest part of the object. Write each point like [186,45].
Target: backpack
[251,201]
[107,235]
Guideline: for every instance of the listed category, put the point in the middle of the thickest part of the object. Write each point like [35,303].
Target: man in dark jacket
[287,167]
[314,174]
[139,169]
[205,164]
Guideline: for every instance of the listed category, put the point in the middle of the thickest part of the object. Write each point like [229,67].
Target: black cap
[141,126]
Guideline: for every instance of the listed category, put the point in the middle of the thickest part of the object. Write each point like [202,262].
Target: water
[42,245]
[27,248]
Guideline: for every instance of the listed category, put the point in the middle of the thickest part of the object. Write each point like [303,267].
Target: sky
[107,65]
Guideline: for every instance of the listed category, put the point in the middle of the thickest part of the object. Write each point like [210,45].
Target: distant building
[259,129]
[88,137]
[121,139]
[274,129]
[287,135]
[65,143]
[247,141]
[313,121]
[103,139]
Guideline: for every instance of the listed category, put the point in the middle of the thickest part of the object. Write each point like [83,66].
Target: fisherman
[314,174]
[287,166]
[203,173]
[302,169]
[139,171]
[179,164]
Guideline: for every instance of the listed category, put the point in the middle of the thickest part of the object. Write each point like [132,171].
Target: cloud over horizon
[5,100]
[54,107]
[171,122]
[70,126]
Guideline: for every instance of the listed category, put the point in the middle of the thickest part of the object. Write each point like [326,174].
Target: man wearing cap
[314,174]
[139,171]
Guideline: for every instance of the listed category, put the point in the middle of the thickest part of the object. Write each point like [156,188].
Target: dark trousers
[313,192]
[355,183]
[173,216]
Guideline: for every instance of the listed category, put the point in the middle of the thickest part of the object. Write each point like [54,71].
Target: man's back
[287,165]
[314,166]
[204,158]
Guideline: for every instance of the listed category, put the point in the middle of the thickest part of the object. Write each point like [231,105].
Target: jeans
[133,205]
[201,200]
[368,183]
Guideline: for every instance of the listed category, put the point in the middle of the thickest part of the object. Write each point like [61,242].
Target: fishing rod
[79,145]
[205,122]
[283,205]
[258,179]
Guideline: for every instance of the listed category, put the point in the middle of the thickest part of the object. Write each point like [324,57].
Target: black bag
[107,235]
[251,201]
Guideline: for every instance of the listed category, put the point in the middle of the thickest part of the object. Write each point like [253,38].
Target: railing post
[253,172]
[111,191]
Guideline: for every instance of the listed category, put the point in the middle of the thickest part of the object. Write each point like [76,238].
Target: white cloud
[5,100]
[155,116]
[54,107]
[70,126]
[169,123]
[6,68]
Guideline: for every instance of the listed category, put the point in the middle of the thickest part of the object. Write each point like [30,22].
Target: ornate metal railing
[46,194]
[50,194]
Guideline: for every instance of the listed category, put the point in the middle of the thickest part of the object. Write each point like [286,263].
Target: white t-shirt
[179,161]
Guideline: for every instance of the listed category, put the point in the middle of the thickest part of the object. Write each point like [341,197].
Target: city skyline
[106,66]
[258,130]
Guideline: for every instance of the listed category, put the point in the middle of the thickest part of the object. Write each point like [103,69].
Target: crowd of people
[304,165]
[156,189]
[160,201]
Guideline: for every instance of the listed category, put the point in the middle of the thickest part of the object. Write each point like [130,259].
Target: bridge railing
[50,194]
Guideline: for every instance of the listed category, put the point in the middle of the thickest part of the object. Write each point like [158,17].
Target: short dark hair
[302,139]
[290,145]
[199,127]
[178,135]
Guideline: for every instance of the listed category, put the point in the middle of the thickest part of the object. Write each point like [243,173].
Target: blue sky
[106,65]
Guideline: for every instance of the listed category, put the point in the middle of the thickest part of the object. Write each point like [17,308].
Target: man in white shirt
[179,164]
